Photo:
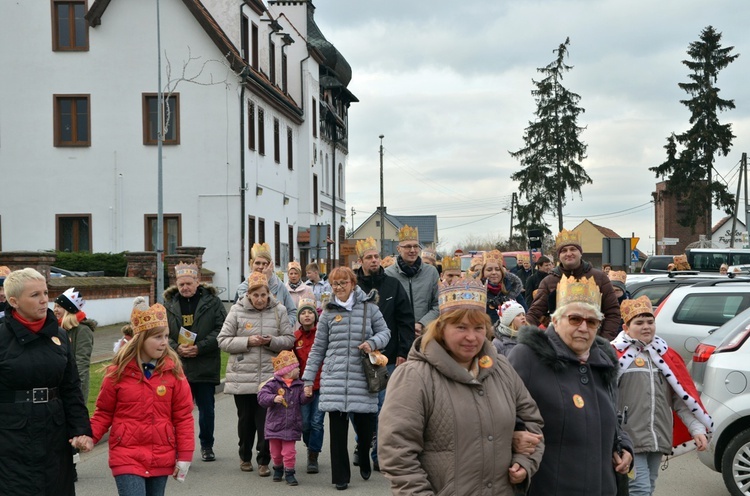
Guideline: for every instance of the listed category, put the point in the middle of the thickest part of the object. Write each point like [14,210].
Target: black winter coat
[207,322]
[35,454]
[577,404]
[396,308]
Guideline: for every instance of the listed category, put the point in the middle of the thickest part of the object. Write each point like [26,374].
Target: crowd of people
[555,372]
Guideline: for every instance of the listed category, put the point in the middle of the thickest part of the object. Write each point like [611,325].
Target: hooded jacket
[208,320]
[283,421]
[82,340]
[421,289]
[442,431]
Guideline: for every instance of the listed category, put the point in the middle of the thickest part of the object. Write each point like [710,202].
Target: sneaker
[246,466]
[264,471]
[207,454]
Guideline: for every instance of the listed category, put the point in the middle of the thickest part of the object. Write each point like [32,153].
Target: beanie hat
[284,362]
[307,304]
[509,310]
[71,301]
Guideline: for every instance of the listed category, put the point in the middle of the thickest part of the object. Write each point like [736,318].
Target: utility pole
[513,200]
[382,207]
[159,182]
[737,200]
[353,212]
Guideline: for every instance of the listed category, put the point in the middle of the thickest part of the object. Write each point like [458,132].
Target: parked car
[656,263]
[686,316]
[726,396]
[715,338]
[711,259]
[658,286]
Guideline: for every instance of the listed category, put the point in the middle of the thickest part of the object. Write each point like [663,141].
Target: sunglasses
[577,320]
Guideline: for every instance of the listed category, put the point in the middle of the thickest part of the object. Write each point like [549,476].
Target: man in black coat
[395,306]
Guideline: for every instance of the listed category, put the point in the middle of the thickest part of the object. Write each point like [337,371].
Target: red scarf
[32,326]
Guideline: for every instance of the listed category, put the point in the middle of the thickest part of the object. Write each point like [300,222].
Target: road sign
[634,243]
[634,256]
[670,241]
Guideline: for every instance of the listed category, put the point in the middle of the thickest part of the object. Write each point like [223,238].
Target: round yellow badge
[300,343]
[337,318]
[578,401]
[161,390]
[640,362]
[485,362]
[56,340]
[248,325]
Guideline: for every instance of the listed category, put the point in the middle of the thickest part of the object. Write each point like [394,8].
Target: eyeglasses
[339,284]
[410,247]
[577,320]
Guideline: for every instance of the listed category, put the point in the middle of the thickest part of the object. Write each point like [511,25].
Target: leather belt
[35,395]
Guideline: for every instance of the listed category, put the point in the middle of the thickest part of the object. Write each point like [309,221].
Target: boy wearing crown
[418,279]
[570,253]
[661,409]
[196,307]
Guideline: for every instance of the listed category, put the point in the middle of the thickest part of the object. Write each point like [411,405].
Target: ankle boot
[278,473]
[312,462]
[289,476]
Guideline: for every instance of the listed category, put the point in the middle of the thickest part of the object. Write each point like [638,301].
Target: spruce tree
[689,170]
[552,154]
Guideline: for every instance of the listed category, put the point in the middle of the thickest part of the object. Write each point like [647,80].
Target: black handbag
[377,375]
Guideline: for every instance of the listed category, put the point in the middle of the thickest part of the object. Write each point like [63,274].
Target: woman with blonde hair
[502,285]
[69,312]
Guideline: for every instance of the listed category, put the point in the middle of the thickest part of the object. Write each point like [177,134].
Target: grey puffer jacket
[343,386]
[249,366]
[422,290]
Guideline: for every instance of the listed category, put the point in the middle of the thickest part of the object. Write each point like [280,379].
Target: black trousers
[339,435]
[251,421]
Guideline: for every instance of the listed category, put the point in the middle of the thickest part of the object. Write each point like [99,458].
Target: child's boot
[312,462]
[289,476]
[278,473]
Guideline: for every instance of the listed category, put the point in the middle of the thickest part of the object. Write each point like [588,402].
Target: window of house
[272,62]
[261,132]
[261,230]
[291,243]
[254,47]
[277,242]
[276,141]
[251,125]
[341,181]
[315,194]
[170,119]
[245,42]
[70,31]
[315,118]
[171,231]
[283,72]
[325,175]
[251,231]
[72,120]
[289,146]
[73,232]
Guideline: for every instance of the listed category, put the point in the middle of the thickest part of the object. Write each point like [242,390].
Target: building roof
[606,232]
[425,224]
[723,220]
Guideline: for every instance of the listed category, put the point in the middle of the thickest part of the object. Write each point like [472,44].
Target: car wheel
[735,464]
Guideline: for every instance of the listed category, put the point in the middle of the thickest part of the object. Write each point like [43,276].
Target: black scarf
[409,270]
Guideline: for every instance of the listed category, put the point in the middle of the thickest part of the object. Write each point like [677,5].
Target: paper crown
[185,269]
[466,292]
[294,265]
[493,256]
[387,261]
[284,362]
[633,308]
[4,271]
[476,260]
[522,257]
[143,317]
[618,275]
[261,250]
[585,290]
[306,303]
[566,238]
[407,233]
[451,263]
[365,245]
[429,253]
[681,263]
[71,301]
[256,279]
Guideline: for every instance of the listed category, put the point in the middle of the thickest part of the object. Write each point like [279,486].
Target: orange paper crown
[184,269]
[294,265]
[365,245]
[522,257]
[476,261]
[387,261]
[407,233]
[429,253]
[681,263]
[633,308]
[4,271]
[256,279]
[143,317]
[618,275]
[261,250]
[451,263]
[466,292]
[566,238]
[493,256]
[571,290]
[284,362]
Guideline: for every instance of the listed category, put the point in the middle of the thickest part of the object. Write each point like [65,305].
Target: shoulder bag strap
[364,322]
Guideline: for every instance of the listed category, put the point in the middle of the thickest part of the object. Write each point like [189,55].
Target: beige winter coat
[249,366]
[443,432]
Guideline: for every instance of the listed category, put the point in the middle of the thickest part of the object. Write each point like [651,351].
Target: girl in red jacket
[146,400]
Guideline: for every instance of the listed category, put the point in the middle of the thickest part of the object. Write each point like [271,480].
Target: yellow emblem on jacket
[640,362]
[56,340]
[485,362]
[248,326]
[578,401]
[161,390]
[337,318]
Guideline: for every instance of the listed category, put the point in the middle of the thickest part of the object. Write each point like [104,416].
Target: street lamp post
[160,186]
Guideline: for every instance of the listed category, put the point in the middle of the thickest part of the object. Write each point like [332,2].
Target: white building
[255,93]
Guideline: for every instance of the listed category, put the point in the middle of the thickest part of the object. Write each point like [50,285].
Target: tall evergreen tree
[553,151]
[690,169]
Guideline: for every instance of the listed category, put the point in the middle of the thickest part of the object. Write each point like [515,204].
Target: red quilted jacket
[151,421]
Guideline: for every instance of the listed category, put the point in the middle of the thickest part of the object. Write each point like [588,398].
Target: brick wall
[666,211]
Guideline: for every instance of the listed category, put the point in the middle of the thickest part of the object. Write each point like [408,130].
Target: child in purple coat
[283,396]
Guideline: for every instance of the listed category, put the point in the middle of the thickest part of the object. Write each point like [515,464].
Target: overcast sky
[449,85]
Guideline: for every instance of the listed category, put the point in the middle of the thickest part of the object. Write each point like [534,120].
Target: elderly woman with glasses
[343,386]
[572,375]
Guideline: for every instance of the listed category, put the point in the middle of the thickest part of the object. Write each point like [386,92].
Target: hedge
[113,264]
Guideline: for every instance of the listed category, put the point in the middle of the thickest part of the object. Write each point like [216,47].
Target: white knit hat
[509,310]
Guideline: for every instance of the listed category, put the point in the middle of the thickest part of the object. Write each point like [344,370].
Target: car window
[709,309]
[655,292]
[740,258]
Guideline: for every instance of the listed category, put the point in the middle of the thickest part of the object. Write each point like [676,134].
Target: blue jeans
[312,424]
[135,485]
[646,471]
[203,396]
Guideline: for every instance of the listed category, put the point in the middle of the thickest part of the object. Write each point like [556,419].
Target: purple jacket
[283,422]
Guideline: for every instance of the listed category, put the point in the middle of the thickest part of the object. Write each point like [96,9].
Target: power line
[472,222]
[606,214]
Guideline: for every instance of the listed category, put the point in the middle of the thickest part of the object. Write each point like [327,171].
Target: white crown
[74,297]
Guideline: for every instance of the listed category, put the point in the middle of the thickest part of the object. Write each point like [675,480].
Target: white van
[710,259]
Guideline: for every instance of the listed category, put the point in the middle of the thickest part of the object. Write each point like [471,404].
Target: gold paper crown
[566,238]
[451,263]
[283,360]
[365,245]
[633,308]
[429,253]
[408,233]
[261,250]
[387,261]
[493,256]
[4,271]
[476,261]
[143,317]
[466,292]
[522,257]
[184,269]
[681,263]
[306,302]
[571,290]
[256,279]
[618,275]
[294,265]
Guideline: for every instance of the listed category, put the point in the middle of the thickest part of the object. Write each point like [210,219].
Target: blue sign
[634,256]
